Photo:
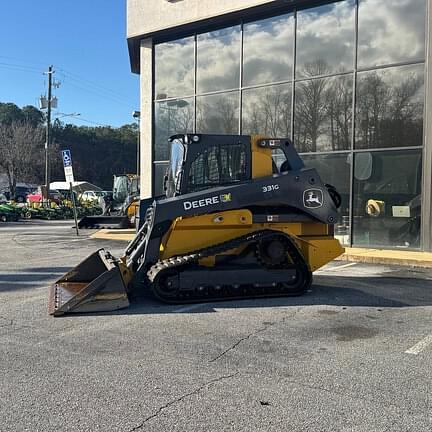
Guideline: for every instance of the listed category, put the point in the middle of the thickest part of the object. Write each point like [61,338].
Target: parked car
[93,196]
[21,193]
[54,195]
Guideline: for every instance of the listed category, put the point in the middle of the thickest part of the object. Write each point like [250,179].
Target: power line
[21,68]
[99,94]
[80,79]
[90,122]
[24,60]
[100,91]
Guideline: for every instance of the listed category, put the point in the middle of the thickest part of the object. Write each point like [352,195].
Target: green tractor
[8,213]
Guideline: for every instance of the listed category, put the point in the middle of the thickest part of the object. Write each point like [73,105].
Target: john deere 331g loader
[242,218]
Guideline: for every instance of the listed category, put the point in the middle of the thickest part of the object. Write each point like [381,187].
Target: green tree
[98,152]
[9,112]
[34,116]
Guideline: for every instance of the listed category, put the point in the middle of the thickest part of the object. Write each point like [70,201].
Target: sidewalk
[373,256]
[115,234]
[393,257]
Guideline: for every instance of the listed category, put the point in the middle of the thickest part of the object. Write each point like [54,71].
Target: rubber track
[246,291]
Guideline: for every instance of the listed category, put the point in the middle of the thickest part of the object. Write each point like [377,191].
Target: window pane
[390,31]
[218,165]
[325,39]
[218,114]
[174,68]
[267,111]
[334,169]
[160,169]
[390,107]
[323,114]
[176,161]
[171,117]
[268,50]
[386,204]
[218,59]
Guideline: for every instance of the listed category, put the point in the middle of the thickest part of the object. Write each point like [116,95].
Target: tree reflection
[390,108]
[311,106]
[267,111]
[389,111]
[218,114]
[171,118]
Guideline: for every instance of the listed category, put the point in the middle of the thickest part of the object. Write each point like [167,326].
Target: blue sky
[85,41]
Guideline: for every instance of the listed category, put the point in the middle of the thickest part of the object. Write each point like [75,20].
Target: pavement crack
[11,325]
[7,324]
[256,332]
[182,397]
[240,341]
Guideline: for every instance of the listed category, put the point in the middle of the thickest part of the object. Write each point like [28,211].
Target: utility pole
[48,134]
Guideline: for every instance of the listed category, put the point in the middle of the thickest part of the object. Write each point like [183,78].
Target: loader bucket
[109,222]
[94,285]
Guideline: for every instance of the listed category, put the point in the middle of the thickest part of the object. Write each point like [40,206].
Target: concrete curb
[389,257]
[119,234]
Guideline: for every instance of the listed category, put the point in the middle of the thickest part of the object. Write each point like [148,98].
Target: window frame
[261,14]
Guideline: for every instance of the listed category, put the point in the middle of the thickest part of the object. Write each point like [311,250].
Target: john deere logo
[225,197]
[313,198]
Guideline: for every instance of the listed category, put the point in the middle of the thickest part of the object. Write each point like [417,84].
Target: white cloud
[391,31]
[174,63]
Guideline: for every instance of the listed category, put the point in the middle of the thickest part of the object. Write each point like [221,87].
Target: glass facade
[344,80]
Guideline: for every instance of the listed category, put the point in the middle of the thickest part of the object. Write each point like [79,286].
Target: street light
[172,105]
[137,116]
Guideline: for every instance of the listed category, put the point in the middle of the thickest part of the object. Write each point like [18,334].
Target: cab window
[218,165]
[279,158]
[175,167]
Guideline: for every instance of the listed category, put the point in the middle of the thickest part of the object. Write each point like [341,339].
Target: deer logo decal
[313,198]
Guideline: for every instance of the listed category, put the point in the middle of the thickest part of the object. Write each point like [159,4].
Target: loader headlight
[195,138]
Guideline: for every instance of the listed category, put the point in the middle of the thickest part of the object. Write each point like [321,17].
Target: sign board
[67,165]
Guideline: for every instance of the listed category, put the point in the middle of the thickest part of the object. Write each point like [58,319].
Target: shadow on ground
[375,292]
[387,290]
[28,278]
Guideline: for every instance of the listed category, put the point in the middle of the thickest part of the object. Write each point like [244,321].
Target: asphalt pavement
[354,354]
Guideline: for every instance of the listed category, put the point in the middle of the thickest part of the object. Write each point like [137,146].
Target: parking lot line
[343,266]
[420,346]
[337,267]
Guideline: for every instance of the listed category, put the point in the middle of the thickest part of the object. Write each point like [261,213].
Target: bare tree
[270,114]
[339,110]
[252,118]
[21,152]
[311,105]
[227,113]
[183,119]
[217,115]
[373,98]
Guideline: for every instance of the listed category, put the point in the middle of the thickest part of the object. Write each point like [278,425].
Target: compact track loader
[241,218]
[125,201]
